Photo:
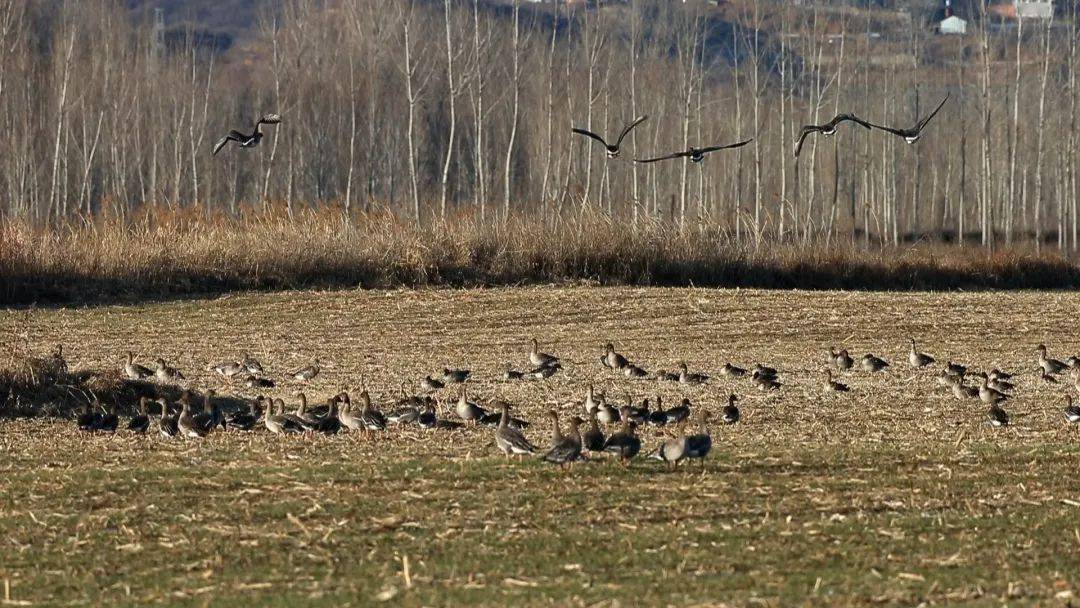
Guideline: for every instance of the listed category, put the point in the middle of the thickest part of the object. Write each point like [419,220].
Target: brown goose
[568,450]
[624,444]
[593,438]
[509,439]
[141,422]
[612,359]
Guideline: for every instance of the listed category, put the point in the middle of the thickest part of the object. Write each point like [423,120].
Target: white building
[952,25]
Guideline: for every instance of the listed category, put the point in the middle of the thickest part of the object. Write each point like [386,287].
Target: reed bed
[164,254]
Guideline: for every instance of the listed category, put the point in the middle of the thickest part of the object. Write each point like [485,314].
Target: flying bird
[912,135]
[612,149]
[247,141]
[695,155]
[828,129]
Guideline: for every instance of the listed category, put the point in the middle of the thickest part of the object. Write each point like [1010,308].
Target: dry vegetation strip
[162,255]
[895,493]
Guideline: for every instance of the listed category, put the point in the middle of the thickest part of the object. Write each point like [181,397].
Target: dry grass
[162,254]
[893,494]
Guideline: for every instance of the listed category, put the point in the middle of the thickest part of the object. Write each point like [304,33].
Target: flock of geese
[340,413]
[695,154]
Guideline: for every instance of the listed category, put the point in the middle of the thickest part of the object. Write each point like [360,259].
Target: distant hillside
[220,23]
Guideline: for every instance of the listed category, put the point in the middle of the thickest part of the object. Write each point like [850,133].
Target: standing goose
[687,377]
[828,129]
[606,413]
[540,359]
[211,416]
[658,416]
[509,439]
[1049,366]
[961,391]
[678,413]
[187,423]
[731,413]
[348,418]
[917,359]
[699,444]
[467,410]
[1072,412]
[997,416]
[372,418]
[306,418]
[305,374]
[252,365]
[834,386]
[872,363]
[133,370]
[612,149]
[247,141]
[612,359]
[623,443]
[843,361]
[167,373]
[593,437]
[673,450]
[167,423]
[590,403]
[141,422]
[912,135]
[277,422]
[696,155]
[568,450]
[989,395]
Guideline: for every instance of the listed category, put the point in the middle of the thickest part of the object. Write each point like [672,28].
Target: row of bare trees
[442,107]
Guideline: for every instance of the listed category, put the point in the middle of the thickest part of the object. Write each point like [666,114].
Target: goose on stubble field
[730,414]
[540,359]
[568,449]
[612,359]
[307,373]
[917,359]
[140,422]
[833,386]
[511,441]
[1049,366]
[134,371]
[611,149]
[872,363]
[624,444]
[1072,412]
[243,139]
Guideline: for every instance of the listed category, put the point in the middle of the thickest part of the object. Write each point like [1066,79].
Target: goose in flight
[612,149]
[244,140]
[912,135]
[828,129]
[695,155]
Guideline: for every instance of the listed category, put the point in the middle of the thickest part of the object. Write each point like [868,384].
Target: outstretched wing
[270,119]
[925,121]
[851,118]
[668,157]
[630,127]
[725,147]
[590,134]
[899,132]
[221,144]
[806,130]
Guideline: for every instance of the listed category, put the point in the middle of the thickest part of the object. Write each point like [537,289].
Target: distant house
[952,25]
[1023,9]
